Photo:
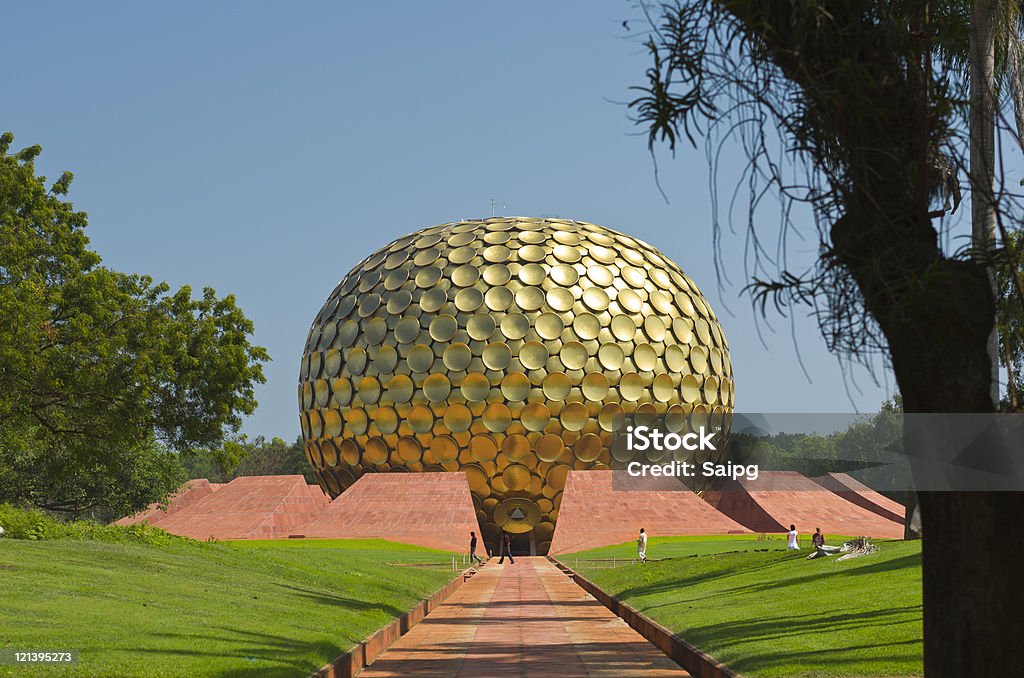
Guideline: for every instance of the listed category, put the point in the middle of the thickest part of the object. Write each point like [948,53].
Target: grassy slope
[281,608]
[773,613]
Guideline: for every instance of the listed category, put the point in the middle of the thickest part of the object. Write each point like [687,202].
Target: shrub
[35,524]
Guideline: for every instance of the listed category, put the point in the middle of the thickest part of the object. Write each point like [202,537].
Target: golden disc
[497,355]
[556,386]
[587,447]
[586,326]
[515,386]
[368,390]
[574,355]
[549,326]
[623,328]
[516,477]
[420,358]
[497,417]
[433,299]
[444,449]
[689,388]
[386,359]
[355,361]
[556,476]
[457,357]
[595,386]
[475,387]
[515,326]
[483,448]
[375,451]
[436,387]
[573,417]
[498,298]
[420,419]
[428,277]
[560,299]
[497,274]
[699,359]
[663,388]
[480,327]
[443,327]
[409,449]
[631,387]
[407,330]
[532,274]
[476,477]
[611,356]
[645,357]
[564,275]
[550,447]
[516,447]
[535,416]
[386,420]
[457,418]
[533,355]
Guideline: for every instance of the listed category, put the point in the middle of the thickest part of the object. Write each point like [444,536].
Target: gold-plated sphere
[508,349]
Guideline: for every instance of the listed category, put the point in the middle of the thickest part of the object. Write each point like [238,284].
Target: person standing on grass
[506,549]
[641,546]
[472,549]
[793,545]
[818,539]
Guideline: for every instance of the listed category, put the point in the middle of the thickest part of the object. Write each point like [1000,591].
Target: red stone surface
[189,494]
[426,509]
[780,498]
[526,619]
[852,490]
[594,514]
[250,507]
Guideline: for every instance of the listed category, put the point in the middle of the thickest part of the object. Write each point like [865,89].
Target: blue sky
[264,148]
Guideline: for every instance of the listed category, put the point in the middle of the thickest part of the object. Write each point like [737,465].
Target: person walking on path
[793,545]
[506,549]
[472,549]
[641,546]
[818,539]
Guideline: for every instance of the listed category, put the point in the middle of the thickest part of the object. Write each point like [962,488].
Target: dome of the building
[507,349]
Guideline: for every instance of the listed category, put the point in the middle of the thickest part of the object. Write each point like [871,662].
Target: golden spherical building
[508,349]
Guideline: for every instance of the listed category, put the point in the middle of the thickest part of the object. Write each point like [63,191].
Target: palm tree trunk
[982,171]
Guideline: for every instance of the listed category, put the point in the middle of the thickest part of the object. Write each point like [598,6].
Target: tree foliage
[260,457]
[103,375]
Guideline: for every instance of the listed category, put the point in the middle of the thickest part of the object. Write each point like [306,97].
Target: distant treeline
[867,445]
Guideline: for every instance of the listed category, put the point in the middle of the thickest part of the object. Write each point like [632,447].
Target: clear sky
[264,148]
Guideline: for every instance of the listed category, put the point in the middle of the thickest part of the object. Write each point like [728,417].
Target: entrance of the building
[524,544]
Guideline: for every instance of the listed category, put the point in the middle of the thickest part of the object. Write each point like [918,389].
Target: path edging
[697,662]
[349,664]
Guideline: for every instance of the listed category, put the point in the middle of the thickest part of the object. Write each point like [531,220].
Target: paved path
[526,619]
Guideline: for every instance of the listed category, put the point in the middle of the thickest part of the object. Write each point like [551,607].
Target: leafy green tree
[103,375]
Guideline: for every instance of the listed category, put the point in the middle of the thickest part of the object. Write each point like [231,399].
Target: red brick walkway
[526,619]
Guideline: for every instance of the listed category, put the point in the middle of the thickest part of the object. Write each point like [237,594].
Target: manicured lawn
[771,612]
[278,608]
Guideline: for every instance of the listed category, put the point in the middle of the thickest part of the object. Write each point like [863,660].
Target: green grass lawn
[273,608]
[765,611]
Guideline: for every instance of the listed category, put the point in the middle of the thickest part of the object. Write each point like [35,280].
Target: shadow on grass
[271,655]
[770,581]
[341,601]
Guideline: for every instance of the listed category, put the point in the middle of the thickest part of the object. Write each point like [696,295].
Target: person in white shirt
[793,545]
[641,546]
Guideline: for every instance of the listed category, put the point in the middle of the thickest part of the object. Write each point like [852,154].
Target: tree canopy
[104,375]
